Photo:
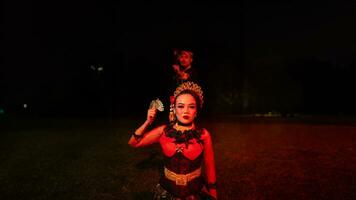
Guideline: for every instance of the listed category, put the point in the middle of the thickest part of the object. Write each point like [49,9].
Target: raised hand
[151,115]
[176,68]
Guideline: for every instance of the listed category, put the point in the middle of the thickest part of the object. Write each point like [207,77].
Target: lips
[185,117]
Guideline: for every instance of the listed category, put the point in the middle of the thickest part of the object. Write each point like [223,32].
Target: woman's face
[185,108]
[185,59]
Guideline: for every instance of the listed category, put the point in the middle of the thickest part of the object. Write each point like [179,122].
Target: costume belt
[182,179]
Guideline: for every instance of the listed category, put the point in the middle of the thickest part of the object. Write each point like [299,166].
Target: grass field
[86,159]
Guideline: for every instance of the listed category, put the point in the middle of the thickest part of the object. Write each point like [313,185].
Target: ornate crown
[192,87]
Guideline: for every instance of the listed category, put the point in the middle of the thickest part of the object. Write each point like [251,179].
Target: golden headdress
[191,86]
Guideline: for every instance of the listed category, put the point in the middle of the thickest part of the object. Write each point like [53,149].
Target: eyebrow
[188,104]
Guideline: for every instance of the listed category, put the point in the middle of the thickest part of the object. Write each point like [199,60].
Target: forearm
[134,141]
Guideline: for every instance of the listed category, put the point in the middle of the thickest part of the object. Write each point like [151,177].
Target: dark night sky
[47,49]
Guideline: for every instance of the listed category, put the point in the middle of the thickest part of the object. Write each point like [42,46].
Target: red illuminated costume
[185,148]
[184,153]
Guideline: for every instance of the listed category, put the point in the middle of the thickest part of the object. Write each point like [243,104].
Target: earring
[172,114]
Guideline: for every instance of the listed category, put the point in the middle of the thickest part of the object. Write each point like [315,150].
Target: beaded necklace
[183,134]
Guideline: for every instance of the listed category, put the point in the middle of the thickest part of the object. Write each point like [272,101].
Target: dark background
[288,58]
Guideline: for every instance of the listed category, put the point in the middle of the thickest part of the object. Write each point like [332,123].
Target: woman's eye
[180,106]
[192,107]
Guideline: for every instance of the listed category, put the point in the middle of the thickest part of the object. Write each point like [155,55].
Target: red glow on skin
[185,108]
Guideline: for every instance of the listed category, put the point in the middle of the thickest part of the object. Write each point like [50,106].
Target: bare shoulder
[205,134]
[160,129]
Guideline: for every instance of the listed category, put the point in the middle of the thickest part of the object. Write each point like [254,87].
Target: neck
[185,125]
[182,127]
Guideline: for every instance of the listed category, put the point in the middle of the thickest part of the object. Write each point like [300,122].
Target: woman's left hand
[213,193]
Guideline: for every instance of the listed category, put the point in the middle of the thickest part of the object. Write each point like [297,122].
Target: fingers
[184,76]
[176,68]
[152,110]
[151,114]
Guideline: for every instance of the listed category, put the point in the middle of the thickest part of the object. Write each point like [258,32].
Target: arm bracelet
[137,137]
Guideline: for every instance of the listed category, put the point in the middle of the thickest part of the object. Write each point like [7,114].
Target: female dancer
[185,148]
